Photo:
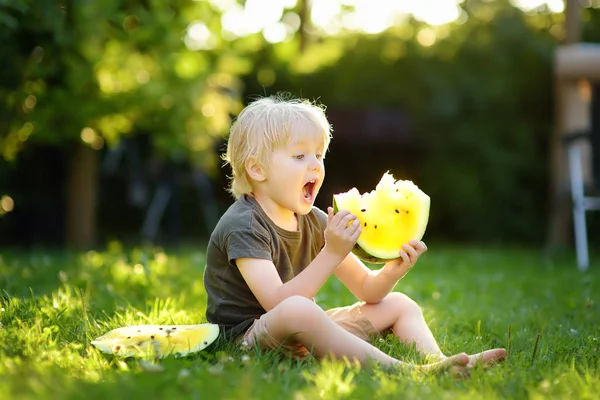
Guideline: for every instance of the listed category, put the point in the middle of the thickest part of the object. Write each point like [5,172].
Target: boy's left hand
[408,258]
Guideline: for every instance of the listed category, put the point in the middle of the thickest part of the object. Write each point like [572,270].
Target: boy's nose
[315,164]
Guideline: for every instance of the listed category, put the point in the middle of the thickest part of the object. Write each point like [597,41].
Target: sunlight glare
[331,16]
[288,4]
[222,5]
[88,135]
[199,37]
[255,16]
[436,12]
[265,11]
[7,204]
[426,37]
[292,20]
[556,6]
[325,15]
[233,23]
[275,32]
[374,17]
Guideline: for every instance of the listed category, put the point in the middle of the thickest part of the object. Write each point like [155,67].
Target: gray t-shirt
[245,231]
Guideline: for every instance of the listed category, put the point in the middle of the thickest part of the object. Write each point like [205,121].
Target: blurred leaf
[118,68]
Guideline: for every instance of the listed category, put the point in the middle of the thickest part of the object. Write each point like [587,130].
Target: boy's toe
[488,357]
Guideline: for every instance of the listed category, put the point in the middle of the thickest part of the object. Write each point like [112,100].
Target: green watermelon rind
[119,337]
[360,252]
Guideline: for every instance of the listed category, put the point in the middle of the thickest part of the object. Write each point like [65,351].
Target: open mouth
[308,190]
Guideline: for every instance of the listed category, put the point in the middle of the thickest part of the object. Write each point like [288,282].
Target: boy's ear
[254,170]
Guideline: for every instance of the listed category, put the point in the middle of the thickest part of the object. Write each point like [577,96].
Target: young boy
[272,251]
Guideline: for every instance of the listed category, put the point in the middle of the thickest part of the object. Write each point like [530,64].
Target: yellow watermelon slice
[158,341]
[391,215]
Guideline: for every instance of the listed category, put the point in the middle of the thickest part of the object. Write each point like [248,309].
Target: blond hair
[265,125]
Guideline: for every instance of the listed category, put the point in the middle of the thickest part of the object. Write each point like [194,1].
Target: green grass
[53,304]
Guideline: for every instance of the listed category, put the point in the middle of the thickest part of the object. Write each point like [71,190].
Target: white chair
[584,198]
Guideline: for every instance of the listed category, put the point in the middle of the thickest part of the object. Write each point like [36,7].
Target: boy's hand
[343,230]
[408,258]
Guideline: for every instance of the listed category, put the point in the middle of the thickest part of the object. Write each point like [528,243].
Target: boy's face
[296,174]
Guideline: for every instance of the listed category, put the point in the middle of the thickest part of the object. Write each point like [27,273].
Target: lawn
[54,304]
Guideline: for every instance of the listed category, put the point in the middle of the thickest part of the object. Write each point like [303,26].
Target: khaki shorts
[349,318]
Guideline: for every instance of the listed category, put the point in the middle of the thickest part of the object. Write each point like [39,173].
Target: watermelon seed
[140,343]
[139,330]
[406,211]
[152,337]
[205,342]
[128,337]
[117,348]
[363,210]
[375,226]
[160,329]
[174,327]
[365,224]
[397,212]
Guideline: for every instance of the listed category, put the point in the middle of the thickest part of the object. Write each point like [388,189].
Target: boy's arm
[372,286]
[264,281]
[261,276]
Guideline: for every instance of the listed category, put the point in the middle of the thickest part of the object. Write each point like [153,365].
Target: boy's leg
[404,317]
[297,319]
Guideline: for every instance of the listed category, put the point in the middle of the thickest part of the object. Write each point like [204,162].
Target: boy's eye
[319,156]
[299,156]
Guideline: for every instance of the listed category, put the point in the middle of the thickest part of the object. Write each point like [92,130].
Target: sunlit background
[128,116]
[277,23]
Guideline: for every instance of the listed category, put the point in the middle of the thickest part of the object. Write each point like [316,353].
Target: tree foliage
[480,96]
[101,70]
[478,93]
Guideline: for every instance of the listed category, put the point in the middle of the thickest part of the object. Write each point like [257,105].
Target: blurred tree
[478,93]
[304,14]
[84,74]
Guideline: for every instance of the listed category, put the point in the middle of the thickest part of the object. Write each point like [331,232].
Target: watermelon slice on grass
[158,341]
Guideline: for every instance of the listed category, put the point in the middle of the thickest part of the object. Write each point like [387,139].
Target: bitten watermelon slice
[391,215]
[157,341]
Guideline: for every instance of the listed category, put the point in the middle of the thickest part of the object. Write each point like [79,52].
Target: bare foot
[487,358]
[457,365]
